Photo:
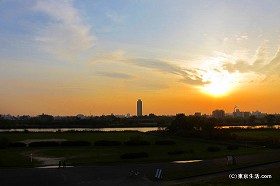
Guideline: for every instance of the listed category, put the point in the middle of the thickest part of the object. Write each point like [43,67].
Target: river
[140,129]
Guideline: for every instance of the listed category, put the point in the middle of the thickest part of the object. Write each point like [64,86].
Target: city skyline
[98,57]
[139,113]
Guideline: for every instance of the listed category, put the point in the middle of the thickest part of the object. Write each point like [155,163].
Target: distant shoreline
[103,129]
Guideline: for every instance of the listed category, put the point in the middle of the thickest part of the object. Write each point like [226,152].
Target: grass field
[90,155]
[260,134]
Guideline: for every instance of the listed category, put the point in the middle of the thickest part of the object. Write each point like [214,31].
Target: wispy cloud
[273,67]
[117,55]
[245,71]
[188,76]
[65,35]
[261,66]
[115,75]
[115,17]
[199,73]
[242,38]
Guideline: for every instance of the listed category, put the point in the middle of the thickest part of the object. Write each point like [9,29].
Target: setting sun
[220,82]
[217,88]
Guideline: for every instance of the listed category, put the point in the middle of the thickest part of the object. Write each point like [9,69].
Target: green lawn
[259,134]
[87,136]
[91,155]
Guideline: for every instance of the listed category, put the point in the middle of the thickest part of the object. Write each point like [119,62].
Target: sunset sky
[98,57]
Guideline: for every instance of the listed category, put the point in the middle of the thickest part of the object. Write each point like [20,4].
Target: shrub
[165,142]
[213,149]
[44,144]
[75,143]
[4,143]
[137,143]
[232,147]
[175,152]
[107,143]
[17,144]
[134,155]
[135,138]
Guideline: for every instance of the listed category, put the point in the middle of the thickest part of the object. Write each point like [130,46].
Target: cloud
[189,76]
[117,55]
[261,68]
[115,75]
[274,65]
[115,17]
[226,39]
[155,64]
[238,66]
[242,66]
[220,65]
[65,35]
[242,37]
[260,57]
[148,86]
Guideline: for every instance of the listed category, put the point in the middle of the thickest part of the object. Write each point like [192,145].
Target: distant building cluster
[237,113]
[218,113]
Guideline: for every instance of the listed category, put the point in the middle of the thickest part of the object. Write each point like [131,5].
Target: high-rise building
[139,107]
[218,114]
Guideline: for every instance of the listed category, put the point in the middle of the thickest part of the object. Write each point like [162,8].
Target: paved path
[100,175]
[247,170]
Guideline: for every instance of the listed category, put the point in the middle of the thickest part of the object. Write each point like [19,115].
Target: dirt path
[28,141]
[44,161]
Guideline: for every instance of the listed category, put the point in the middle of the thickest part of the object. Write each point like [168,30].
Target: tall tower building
[139,107]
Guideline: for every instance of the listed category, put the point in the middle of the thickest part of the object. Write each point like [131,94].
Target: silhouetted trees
[195,126]
[188,124]
[270,119]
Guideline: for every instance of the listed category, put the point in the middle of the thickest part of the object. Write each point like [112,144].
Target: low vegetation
[232,147]
[107,143]
[213,149]
[17,144]
[136,141]
[176,152]
[86,148]
[165,142]
[134,155]
[75,143]
[44,144]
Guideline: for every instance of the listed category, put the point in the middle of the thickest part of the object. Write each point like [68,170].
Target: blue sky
[77,52]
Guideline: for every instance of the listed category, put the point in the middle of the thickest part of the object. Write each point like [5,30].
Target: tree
[270,119]
[252,120]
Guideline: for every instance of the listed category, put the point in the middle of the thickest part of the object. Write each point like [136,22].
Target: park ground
[93,163]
